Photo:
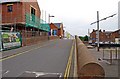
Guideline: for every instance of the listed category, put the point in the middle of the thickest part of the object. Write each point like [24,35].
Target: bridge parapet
[88,66]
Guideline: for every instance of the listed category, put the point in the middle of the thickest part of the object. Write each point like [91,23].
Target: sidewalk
[111,70]
[21,49]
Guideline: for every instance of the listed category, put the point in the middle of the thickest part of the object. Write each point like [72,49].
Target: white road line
[6,72]
[38,74]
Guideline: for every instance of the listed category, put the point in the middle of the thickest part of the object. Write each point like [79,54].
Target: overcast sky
[76,15]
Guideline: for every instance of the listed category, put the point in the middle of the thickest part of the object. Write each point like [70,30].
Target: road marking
[75,62]
[68,67]
[6,72]
[38,74]
[17,54]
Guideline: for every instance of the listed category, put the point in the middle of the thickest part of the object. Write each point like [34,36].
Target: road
[49,58]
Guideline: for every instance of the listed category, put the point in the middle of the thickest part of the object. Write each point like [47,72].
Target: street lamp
[49,17]
[98,26]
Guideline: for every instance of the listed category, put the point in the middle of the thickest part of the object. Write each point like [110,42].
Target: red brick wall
[93,35]
[9,17]
[52,26]
[105,38]
[115,35]
[19,10]
[60,31]
[102,36]
[26,8]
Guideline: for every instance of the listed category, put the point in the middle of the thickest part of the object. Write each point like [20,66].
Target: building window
[33,14]
[32,11]
[10,8]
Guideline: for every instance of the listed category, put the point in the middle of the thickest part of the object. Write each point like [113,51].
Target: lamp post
[50,17]
[98,26]
[98,37]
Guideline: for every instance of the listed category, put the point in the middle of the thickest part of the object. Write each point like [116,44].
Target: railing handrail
[34,21]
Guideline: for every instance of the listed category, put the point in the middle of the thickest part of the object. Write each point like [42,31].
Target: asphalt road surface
[50,58]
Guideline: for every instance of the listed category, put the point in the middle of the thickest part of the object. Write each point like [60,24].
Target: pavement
[49,58]
[111,69]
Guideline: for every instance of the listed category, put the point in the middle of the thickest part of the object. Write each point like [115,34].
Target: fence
[33,21]
[110,54]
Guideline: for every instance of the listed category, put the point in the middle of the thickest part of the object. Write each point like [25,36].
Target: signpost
[0,42]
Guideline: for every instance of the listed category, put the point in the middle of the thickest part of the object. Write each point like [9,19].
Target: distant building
[104,36]
[56,29]
[115,36]
[24,17]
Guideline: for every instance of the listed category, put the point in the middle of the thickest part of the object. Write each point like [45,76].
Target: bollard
[88,66]
[103,53]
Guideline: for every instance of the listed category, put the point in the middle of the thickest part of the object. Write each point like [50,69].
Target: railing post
[116,52]
[111,56]
[103,52]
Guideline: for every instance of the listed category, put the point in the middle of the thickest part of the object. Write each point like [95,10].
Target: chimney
[103,30]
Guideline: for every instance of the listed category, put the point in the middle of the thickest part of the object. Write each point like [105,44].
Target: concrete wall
[88,66]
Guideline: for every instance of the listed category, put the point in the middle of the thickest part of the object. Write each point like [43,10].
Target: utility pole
[98,31]
[49,17]
[0,29]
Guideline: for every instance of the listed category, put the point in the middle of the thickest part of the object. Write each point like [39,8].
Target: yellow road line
[68,67]
[20,53]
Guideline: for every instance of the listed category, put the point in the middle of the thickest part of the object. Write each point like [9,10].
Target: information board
[10,40]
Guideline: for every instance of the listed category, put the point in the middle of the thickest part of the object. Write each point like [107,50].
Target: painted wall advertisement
[10,40]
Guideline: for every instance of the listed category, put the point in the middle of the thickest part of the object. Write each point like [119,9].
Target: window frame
[9,7]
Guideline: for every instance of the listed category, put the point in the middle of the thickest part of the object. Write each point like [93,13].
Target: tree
[86,38]
[83,38]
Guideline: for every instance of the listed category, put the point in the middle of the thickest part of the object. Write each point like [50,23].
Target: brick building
[56,29]
[104,36]
[115,35]
[24,17]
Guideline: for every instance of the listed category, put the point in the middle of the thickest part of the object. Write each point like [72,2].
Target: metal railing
[34,21]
